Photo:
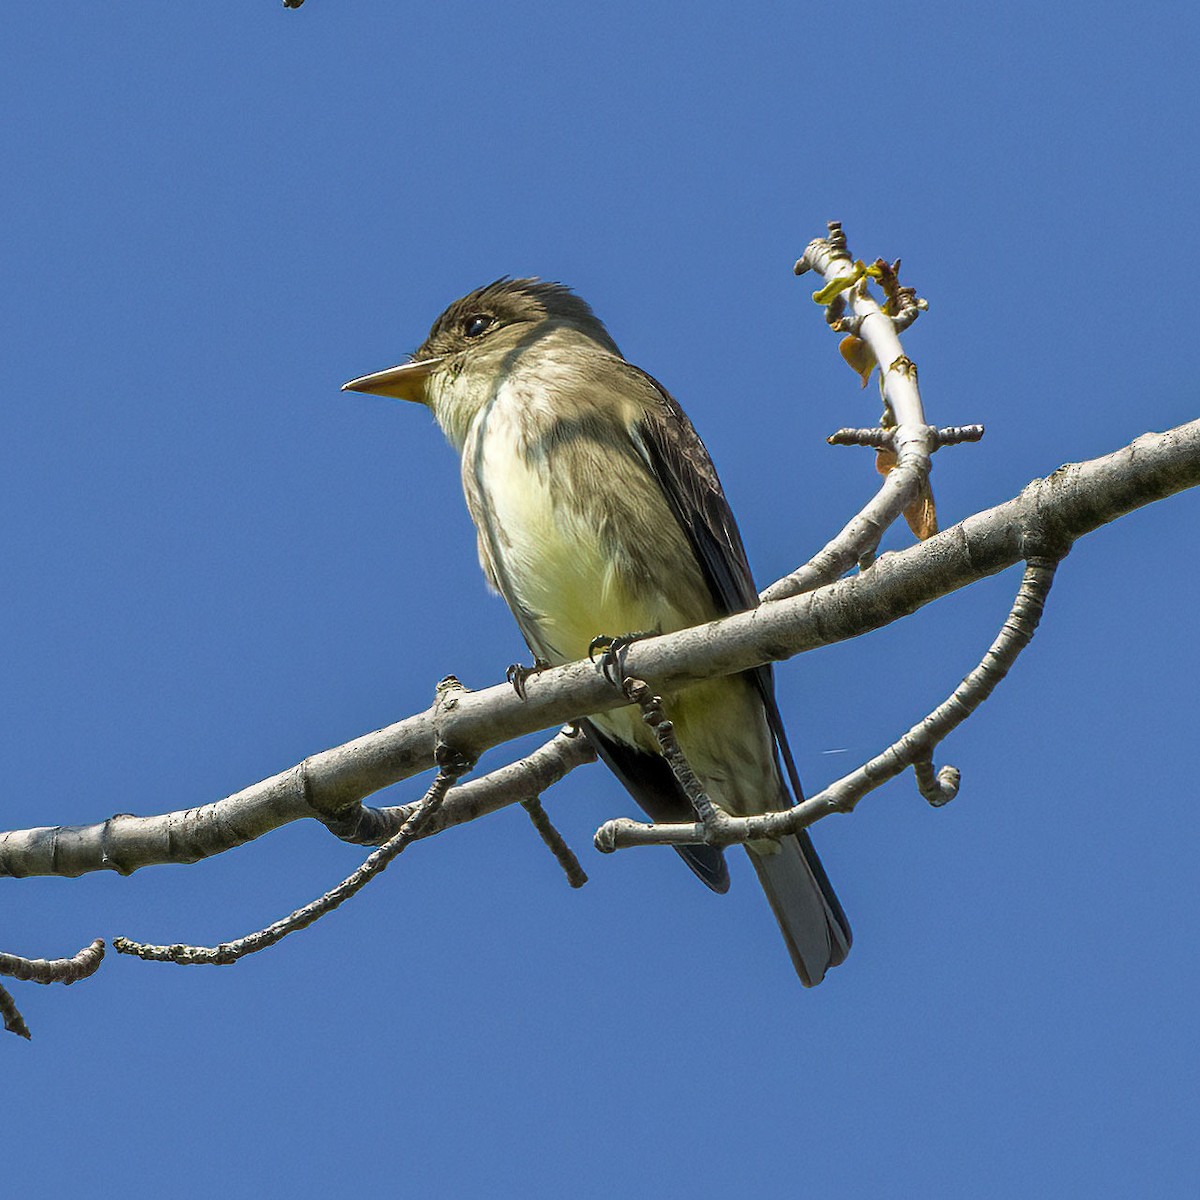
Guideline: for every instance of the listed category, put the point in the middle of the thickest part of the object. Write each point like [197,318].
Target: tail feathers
[811,919]
[708,865]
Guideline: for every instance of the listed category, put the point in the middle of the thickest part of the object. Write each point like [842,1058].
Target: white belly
[548,549]
[545,547]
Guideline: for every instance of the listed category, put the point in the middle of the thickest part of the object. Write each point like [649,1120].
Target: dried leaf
[858,354]
[921,514]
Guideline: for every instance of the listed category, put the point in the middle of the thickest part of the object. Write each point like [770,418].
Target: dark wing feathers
[680,462]
[674,452]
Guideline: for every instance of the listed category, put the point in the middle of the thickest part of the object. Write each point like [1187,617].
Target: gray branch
[11,1015]
[44,970]
[228,953]
[915,749]
[54,970]
[555,843]
[1043,521]
[904,433]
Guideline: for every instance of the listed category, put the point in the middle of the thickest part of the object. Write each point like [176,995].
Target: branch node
[1044,542]
[840,323]
[445,692]
[605,838]
[452,762]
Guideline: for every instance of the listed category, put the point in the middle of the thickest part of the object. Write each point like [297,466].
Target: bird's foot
[612,648]
[518,673]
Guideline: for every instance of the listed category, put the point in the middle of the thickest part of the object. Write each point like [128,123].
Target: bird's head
[474,343]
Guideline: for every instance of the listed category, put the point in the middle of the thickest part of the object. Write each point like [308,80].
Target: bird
[598,513]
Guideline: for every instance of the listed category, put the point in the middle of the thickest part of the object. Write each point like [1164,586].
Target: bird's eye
[476,325]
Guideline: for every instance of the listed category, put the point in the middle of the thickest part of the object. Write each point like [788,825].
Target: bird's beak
[405,382]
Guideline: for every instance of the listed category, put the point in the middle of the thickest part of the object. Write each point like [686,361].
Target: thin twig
[711,817]
[954,435]
[1074,500]
[555,842]
[915,747]
[230,952]
[879,438]
[54,970]
[13,1021]
[46,971]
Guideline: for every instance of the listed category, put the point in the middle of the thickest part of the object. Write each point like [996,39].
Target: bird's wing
[672,448]
[675,454]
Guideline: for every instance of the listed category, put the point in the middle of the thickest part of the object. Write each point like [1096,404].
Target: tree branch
[44,970]
[54,970]
[555,843]
[11,1015]
[1046,518]
[915,749]
[873,341]
[227,953]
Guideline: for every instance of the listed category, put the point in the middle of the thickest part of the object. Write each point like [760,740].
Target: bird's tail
[809,915]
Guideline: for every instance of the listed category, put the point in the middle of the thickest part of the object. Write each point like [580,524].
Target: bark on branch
[810,607]
[1043,521]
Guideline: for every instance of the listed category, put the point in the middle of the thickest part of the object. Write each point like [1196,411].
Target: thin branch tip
[13,1021]
[55,970]
[939,787]
[815,605]
[555,842]
[228,953]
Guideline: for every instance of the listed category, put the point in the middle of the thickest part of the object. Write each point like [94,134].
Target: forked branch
[814,606]
[229,952]
[915,749]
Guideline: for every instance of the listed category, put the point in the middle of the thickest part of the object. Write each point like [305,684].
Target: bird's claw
[611,649]
[518,673]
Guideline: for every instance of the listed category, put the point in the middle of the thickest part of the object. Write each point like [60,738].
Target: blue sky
[217,563]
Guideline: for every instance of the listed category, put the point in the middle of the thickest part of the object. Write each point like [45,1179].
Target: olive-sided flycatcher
[599,512]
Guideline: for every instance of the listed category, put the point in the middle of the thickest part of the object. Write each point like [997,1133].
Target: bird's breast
[574,531]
